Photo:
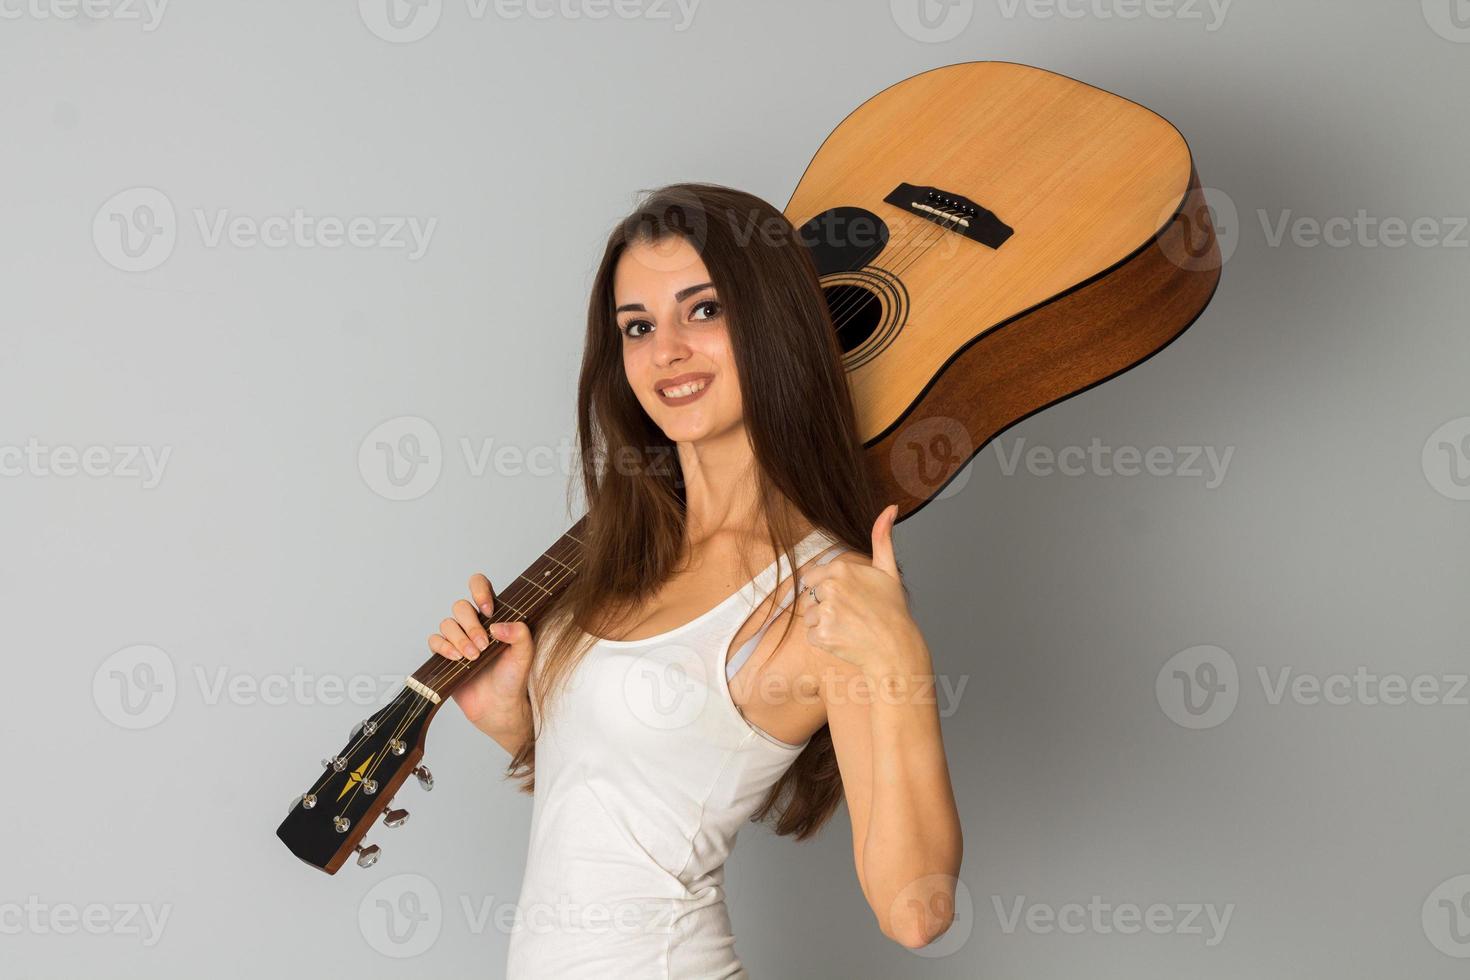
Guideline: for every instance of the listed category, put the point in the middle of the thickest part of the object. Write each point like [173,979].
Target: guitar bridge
[953,211]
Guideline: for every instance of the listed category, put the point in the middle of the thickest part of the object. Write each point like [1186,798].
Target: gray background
[1336,540]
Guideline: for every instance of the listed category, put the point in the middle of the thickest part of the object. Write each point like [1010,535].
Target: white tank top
[645,771]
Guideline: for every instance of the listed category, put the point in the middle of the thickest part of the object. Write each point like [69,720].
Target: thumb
[516,635]
[883,541]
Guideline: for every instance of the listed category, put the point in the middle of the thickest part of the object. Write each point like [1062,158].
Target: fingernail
[482,642]
[487,609]
[497,631]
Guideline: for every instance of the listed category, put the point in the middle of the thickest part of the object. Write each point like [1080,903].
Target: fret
[502,602]
[548,576]
[538,585]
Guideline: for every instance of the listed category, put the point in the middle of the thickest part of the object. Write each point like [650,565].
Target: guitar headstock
[328,821]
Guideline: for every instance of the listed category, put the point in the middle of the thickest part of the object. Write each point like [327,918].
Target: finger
[815,612]
[482,593]
[443,647]
[454,634]
[827,580]
[803,600]
[883,557]
[516,635]
[469,621]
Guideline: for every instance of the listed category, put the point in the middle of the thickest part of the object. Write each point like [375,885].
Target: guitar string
[859,297]
[423,702]
[408,692]
[442,674]
[884,244]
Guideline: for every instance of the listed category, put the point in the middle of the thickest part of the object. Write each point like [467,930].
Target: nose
[669,345]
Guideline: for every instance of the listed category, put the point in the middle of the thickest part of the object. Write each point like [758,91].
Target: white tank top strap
[810,545]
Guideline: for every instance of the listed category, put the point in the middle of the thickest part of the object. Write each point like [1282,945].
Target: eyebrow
[679,297]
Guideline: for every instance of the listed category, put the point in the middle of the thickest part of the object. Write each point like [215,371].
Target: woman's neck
[721,487]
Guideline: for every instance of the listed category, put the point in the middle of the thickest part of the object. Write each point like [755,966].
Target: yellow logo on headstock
[355,776]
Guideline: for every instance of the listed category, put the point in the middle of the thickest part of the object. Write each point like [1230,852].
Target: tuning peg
[305,800]
[367,855]
[395,818]
[365,727]
[426,778]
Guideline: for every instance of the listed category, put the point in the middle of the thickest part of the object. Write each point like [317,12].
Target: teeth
[685,389]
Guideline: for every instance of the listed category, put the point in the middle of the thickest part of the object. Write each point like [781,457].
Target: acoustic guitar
[991,239]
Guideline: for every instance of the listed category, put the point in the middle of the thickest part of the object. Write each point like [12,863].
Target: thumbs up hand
[860,612]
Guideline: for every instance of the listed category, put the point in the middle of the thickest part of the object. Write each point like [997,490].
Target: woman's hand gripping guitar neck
[495,700]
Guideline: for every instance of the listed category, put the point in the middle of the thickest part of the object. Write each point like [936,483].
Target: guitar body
[991,238]
[1110,256]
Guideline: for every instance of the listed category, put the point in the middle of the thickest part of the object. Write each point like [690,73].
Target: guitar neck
[524,600]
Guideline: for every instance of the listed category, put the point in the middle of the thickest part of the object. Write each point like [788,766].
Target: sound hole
[856,312]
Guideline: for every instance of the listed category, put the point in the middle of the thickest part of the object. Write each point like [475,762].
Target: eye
[630,325]
[702,304]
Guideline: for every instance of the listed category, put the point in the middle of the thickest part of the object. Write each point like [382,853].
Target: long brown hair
[800,419]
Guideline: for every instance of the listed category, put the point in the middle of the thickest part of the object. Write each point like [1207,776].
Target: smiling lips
[683,389]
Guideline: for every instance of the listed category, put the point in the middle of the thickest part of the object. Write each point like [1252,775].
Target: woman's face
[673,334]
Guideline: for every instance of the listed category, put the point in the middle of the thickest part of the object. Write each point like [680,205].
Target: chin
[692,429]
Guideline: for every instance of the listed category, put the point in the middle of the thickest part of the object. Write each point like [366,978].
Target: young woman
[719,451]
